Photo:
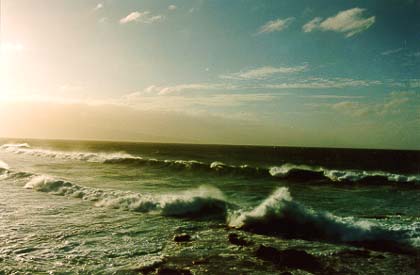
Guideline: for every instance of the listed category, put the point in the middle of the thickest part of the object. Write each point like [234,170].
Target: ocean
[85,207]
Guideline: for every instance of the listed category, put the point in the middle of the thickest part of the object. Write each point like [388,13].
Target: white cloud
[98,6]
[308,83]
[350,22]
[165,90]
[312,25]
[324,83]
[393,51]
[183,102]
[171,7]
[331,96]
[141,17]
[264,72]
[392,104]
[275,25]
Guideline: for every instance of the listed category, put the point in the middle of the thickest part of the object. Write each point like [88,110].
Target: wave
[4,170]
[280,215]
[316,172]
[277,215]
[3,166]
[202,201]
[285,171]
[25,149]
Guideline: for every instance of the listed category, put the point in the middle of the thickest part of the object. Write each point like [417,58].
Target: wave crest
[280,215]
[25,149]
[289,170]
[198,202]
[277,215]
[3,166]
[284,171]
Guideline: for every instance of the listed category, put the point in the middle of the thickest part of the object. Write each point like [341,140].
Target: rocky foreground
[256,254]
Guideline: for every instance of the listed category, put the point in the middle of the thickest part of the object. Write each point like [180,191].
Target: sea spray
[280,215]
[201,201]
[277,215]
[4,170]
[4,166]
[25,149]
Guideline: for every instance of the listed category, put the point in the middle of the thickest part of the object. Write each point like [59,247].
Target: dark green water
[72,207]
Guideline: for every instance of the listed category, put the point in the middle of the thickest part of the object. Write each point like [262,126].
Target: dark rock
[200,261]
[291,258]
[147,269]
[236,240]
[182,238]
[172,271]
[267,253]
[360,253]
[300,259]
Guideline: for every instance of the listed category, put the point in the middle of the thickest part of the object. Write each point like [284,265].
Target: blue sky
[301,73]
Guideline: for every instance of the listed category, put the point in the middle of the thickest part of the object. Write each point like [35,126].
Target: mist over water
[114,207]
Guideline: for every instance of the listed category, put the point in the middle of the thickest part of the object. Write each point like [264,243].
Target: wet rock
[267,253]
[237,240]
[172,271]
[291,258]
[182,238]
[200,261]
[359,253]
[386,246]
[149,268]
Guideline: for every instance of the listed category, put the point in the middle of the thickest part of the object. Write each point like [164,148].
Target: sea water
[73,207]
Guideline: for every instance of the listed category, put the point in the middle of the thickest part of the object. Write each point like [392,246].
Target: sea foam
[195,202]
[25,149]
[4,166]
[280,215]
[277,215]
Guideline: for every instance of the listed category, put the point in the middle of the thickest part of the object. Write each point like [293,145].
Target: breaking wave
[277,215]
[203,200]
[313,172]
[280,215]
[286,171]
[3,166]
[4,170]
[25,149]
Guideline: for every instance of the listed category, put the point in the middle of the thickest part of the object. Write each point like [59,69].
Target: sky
[282,72]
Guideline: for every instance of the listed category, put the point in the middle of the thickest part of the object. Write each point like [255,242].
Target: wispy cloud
[177,101]
[392,104]
[275,25]
[331,96]
[324,83]
[141,17]
[98,6]
[307,83]
[171,7]
[393,51]
[165,90]
[350,22]
[264,72]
